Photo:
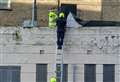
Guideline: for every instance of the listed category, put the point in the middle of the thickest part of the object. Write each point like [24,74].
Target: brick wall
[87,10]
[110,10]
[21,10]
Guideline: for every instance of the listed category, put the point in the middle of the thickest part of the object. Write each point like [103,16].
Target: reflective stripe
[52,25]
[62,15]
[52,20]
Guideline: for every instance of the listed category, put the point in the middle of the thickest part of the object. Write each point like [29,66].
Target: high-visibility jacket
[53,79]
[52,19]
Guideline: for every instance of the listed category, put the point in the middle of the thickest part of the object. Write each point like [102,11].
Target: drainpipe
[58,4]
[34,13]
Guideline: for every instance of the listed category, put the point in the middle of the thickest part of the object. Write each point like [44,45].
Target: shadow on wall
[89,15]
[106,10]
[106,14]
[93,19]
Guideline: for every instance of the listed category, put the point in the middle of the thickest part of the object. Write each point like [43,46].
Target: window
[41,73]
[65,72]
[5,4]
[9,74]
[108,73]
[90,73]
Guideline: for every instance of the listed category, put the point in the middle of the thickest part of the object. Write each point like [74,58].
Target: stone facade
[86,9]
[88,45]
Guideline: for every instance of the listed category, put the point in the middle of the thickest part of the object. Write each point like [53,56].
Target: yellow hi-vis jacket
[52,19]
[53,79]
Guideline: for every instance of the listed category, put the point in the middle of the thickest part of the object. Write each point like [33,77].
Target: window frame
[8,6]
[90,72]
[39,71]
[110,72]
[9,73]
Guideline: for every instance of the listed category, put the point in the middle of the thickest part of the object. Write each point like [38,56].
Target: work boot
[59,47]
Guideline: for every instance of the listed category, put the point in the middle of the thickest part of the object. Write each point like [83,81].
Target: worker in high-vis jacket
[61,28]
[52,19]
[53,79]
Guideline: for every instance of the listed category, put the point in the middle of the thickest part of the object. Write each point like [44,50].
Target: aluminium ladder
[59,63]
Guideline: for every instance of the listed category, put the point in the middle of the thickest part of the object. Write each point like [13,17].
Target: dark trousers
[60,39]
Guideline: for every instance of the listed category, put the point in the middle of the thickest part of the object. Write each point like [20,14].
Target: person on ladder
[61,28]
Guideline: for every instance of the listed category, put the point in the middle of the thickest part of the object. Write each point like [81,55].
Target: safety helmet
[52,14]
[62,15]
[53,79]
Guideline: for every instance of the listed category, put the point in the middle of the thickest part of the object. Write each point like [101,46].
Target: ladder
[59,63]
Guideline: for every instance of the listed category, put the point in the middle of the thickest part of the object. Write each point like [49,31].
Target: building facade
[91,54]
[20,10]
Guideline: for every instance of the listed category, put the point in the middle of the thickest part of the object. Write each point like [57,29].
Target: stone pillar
[76,73]
[117,73]
[81,73]
[70,72]
[51,71]
[28,73]
[99,73]
[118,69]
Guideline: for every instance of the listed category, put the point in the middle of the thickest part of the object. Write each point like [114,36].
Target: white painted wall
[87,45]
